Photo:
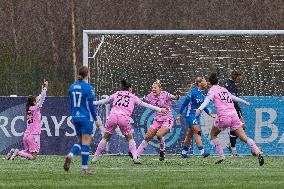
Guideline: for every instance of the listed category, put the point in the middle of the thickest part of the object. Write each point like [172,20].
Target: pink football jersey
[222,99]
[123,102]
[34,120]
[162,101]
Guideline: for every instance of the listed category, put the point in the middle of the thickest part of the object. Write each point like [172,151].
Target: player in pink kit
[31,137]
[162,123]
[227,117]
[123,103]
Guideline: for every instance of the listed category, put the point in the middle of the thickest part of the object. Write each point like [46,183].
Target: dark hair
[30,102]
[83,72]
[125,85]
[235,74]
[213,79]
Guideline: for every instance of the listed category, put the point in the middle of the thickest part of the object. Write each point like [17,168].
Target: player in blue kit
[83,114]
[194,99]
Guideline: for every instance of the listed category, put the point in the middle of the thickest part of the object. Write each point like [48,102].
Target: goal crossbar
[169,32]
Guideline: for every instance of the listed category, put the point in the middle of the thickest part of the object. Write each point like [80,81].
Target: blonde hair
[158,83]
[198,80]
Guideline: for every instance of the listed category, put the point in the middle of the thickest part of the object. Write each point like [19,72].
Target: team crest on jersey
[77,113]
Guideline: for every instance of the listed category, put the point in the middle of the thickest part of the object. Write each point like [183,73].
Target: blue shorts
[83,127]
[192,119]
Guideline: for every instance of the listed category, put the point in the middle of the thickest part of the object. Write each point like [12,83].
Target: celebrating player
[31,139]
[194,99]
[231,86]
[83,113]
[227,117]
[123,103]
[162,123]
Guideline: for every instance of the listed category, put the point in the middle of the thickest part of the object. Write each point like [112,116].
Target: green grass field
[119,172]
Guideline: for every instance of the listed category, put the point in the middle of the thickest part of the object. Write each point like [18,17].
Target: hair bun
[213,79]
[123,82]
[125,85]
[214,75]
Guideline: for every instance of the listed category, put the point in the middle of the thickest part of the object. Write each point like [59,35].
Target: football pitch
[119,172]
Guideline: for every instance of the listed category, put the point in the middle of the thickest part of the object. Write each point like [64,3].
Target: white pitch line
[168,170]
[174,170]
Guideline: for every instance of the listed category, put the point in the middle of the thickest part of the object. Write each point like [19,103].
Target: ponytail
[30,102]
[125,85]
[83,73]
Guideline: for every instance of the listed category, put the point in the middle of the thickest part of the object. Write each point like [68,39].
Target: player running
[194,99]
[227,117]
[231,86]
[162,123]
[31,139]
[123,103]
[83,114]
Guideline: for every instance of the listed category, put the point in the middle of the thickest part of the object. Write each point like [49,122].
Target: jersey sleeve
[211,95]
[146,98]
[112,97]
[102,101]
[185,103]
[237,99]
[169,95]
[137,100]
[90,98]
[42,97]
[205,103]
[146,105]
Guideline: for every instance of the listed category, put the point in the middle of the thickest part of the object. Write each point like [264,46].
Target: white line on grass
[172,170]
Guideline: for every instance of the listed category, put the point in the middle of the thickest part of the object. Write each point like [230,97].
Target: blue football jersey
[193,100]
[81,96]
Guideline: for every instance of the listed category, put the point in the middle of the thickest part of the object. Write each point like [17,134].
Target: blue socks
[85,156]
[184,149]
[75,149]
[201,149]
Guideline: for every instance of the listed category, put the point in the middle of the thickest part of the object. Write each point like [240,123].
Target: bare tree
[73,38]
[13,27]
[51,28]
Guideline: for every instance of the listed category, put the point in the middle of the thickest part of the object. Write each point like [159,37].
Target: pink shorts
[233,122]
[123,122]
[168,123]
[31,142]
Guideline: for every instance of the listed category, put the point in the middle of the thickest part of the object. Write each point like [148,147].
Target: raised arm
[185,103]
[43,93]
[237,99]
[146,105]
[102,101]
[176,96]
[203,105]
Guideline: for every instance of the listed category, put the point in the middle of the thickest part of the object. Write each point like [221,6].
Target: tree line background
[43,38]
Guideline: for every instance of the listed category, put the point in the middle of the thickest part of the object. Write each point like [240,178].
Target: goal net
[177,57]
